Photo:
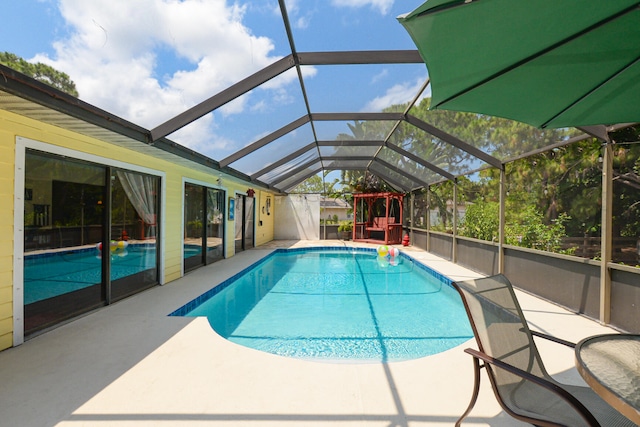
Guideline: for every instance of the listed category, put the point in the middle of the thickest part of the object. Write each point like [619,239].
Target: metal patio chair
[519,380]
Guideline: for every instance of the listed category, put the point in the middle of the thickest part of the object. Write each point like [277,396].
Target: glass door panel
[244,217]
[193,226]
[248,222]
[63,228]
[239,215]
[133,245]
[215,225]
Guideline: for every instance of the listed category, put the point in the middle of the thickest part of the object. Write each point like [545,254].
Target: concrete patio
[129,364]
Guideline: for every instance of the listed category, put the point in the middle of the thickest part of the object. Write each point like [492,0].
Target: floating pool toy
[122,253]
[383,250]
[383,262]
[394,252]
[114,246]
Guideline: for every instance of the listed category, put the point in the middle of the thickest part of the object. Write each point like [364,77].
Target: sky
[149,60]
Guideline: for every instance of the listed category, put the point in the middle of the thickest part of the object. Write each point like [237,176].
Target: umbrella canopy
[549,63]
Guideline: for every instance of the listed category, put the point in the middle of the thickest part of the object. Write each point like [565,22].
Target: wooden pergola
[377,218]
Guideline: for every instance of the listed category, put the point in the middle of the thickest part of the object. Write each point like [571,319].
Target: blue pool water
[55,273]
[348,305]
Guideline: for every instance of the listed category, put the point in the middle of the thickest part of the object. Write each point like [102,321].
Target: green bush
[345,226]
[481,221]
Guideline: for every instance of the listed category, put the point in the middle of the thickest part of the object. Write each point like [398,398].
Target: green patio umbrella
[549,63]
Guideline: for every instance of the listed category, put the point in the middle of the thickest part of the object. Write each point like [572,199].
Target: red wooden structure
[377,218]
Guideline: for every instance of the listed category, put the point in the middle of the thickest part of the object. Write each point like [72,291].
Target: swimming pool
[336,305]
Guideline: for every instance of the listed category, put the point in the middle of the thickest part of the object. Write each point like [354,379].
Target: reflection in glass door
[86,243]
[203,226]
[193,226]
[248,222]
[63,223]
[215,225]
[134,213]
[244,218]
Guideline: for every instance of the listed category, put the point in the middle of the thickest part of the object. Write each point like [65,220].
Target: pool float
[114,246]
[383,250]
[383,262]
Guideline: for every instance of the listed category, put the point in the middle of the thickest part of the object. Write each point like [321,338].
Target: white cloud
[381,75]
[382,5]
[302,22]
[397,94]
[114,49]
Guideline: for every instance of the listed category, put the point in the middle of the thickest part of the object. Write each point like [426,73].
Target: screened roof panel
[488,134]
[246,118]
[349,151]
[290,180]
[302,76]
[396,179]
[275,150]
[294,164]
[363,130]
[346,164]
[348,29]
[368,87]
[419,171]
[434,150]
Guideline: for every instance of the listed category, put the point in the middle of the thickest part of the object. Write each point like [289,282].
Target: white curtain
[215,207]
[140,189]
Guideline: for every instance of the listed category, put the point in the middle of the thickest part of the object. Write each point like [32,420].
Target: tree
[358,180]
[314,185]
[481,221]
[41,72]
[311,185]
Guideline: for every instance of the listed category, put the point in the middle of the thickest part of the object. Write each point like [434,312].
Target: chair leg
[476,391]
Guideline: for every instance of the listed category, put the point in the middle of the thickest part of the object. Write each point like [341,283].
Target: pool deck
[130,365]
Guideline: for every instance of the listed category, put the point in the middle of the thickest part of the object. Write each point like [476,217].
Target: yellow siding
[7,170]
[6,340]
[12,125]
[6,310]
[265,227]
[6,291]
[6,277]
[6,337]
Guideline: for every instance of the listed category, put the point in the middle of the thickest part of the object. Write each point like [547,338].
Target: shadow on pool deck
[130,364]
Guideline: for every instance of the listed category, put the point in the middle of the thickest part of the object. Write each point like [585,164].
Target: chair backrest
[501,332]
[500,328]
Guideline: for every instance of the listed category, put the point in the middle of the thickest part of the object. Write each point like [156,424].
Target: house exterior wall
[6,238]
[298,217]
[265,214]
[14,127]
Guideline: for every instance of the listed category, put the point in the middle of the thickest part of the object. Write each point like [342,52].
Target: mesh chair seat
[518,377]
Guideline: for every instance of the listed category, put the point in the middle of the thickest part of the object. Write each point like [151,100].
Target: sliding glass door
[215,225]
[193,226]
[244,222]
[89,237]
[134,213]
[203,225]
[63,222]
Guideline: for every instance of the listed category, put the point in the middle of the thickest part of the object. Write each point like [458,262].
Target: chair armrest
[516,371]
[554,388]
[552,338]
